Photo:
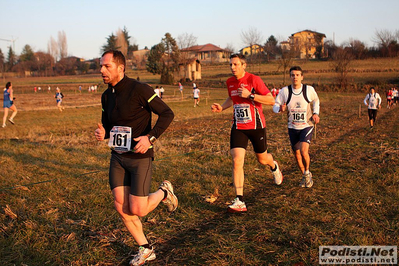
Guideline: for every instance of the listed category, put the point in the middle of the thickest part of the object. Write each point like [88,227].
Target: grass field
[56,207]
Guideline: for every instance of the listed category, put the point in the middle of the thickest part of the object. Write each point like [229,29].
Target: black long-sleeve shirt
[131,103]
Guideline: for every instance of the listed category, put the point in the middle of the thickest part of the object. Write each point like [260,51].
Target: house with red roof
[207,53]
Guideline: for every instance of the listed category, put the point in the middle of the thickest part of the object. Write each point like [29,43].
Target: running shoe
[11,121]
[3,126]
[171,200]
[144,254]
[278,176]
[307,180]
[237,206]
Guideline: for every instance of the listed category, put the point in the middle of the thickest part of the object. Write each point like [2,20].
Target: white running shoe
[278,176]
[144,254]
[306,181]
[171,200]
[237,206]
[11,121]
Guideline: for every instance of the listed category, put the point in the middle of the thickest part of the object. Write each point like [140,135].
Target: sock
[275,168]
[306,172]
[165,194]
[240,197]
[146,246]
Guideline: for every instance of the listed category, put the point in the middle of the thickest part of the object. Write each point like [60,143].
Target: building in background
[252,50]
[208,53]
[305,44]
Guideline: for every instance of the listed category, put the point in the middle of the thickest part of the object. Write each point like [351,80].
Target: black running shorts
[372,114]
[134,173]
[239,139]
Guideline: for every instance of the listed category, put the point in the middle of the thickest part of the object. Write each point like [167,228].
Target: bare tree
[2,63]
[384,39]
[121,42]
[230,47]
[342,59]
[184,41]
[285,62]
[62,44]
[357,48]
[251,37]
[52,49]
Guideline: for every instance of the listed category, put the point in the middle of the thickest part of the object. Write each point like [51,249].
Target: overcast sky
[88,23]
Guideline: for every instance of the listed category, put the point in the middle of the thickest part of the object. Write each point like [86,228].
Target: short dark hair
[239,56]
[8,85]
[296,68]
[118,57]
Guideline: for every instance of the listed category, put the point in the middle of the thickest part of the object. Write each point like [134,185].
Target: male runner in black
[127,107]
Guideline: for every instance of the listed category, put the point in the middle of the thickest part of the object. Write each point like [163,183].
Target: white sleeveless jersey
[298,107]
[372,101]
[299,112]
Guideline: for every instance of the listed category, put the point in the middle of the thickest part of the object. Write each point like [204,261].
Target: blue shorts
[7,104]
[298,136]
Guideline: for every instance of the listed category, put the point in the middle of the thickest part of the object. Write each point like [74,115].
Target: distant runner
[8,103]
[58,97]
[373,102]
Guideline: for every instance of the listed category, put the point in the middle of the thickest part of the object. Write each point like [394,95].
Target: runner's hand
[99,133]
[216,108]
[316,118]
[143,144]
[243,93]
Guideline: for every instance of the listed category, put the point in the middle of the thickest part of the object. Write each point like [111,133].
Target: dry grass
[56,207]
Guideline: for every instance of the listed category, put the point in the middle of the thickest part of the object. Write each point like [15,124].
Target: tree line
[165,57]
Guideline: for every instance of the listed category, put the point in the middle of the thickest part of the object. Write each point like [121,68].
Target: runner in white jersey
[297,99]
[196,93]
[373,102]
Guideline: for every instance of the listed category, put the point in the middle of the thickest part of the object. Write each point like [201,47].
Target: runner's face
[110,72]
[237,68]
[296,77]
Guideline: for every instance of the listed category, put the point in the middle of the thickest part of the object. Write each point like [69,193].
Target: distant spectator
[157,91]
[181,90]
[162,91]
[275,92]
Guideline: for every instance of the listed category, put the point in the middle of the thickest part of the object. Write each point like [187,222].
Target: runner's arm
[165,116]
[365,100]
[267,99]
[104,116]
[279,104]
[217,108]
